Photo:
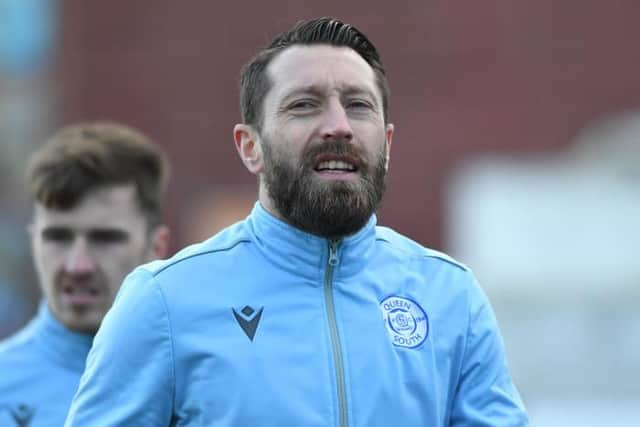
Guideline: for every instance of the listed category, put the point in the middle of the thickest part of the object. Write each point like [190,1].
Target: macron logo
[22,415]
[248,320]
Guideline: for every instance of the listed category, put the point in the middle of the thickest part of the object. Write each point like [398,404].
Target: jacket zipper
[333,330]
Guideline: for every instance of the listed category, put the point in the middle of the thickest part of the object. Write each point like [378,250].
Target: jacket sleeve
[128,379]
[485,394]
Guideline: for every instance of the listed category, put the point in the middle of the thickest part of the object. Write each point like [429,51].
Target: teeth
[336,165]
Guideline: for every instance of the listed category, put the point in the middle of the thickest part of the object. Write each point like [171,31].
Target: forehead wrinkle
[321,89]
[306,60]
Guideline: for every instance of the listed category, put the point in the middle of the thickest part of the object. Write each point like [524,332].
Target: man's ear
[388,139]
[159,243]
[248,146]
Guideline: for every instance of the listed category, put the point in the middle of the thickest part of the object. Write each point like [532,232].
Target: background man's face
[324,141]
[83,254]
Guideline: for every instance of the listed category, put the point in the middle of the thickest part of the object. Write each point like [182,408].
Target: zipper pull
[333,252]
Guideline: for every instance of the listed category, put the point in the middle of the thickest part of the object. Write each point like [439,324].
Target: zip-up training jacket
[266,325]
[40,367]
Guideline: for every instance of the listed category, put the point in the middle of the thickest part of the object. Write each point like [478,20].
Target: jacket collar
[64,346]
[306,254]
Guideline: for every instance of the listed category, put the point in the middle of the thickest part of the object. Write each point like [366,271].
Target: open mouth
[331,164]
[80,294]
[336,165]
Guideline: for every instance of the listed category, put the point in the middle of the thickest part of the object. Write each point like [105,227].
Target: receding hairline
[254,83]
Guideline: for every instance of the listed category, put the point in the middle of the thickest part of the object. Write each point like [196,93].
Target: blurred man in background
[306,313]
[97,190]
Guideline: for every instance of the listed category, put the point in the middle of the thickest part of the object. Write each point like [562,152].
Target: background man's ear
[159,243]
[248,146]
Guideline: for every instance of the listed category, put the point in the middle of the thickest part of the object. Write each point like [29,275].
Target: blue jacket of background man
[40,368]
[265,325]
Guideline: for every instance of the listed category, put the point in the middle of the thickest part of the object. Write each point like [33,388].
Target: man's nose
[79,260]
[336,125]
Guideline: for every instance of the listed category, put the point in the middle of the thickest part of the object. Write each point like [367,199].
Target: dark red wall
[466,78]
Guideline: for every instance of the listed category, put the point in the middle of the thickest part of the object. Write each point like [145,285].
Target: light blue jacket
[265,325]
[40,368]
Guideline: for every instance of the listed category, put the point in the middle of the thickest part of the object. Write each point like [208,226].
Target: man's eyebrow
[56,231]
[317,90]
[357,90]
[314,90]
[113,233]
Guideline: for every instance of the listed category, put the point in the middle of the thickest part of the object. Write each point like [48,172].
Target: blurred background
[517,150]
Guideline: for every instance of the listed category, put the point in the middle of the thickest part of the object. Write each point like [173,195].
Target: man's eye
[107,236]
[57,235]
[302,104]
[358,104]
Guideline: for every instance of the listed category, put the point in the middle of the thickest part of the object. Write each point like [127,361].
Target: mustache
[94,279]
[337,147]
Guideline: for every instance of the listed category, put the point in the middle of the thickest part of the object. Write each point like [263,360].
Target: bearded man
[306,313]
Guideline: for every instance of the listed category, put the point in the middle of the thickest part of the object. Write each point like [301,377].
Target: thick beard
[331,209]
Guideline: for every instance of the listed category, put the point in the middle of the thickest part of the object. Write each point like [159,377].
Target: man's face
[83,254]
[324,142]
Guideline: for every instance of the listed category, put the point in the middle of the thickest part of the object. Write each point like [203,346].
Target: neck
[267,203]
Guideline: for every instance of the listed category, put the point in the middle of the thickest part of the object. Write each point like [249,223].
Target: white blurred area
[554,241]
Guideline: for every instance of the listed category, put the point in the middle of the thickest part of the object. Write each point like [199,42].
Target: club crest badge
[406,321]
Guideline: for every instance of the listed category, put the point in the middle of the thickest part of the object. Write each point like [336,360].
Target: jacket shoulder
[221,243]
[412,248]
[17,347]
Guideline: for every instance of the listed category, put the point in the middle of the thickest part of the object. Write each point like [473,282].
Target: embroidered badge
[406,321]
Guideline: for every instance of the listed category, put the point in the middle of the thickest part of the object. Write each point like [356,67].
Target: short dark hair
[81,158]
[254,81]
